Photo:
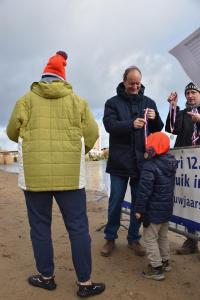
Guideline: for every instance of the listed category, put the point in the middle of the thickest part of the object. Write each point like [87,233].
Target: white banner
[187,187]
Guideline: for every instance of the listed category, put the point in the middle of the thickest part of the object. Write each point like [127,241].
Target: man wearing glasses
[126,123]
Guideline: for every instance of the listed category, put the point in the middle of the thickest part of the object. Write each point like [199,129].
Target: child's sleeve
[145,189]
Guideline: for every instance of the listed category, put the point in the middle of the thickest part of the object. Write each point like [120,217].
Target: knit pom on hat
[191,86]
[157,143]
[62,53]
[56,65]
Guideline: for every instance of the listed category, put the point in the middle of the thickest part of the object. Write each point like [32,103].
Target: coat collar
[121,92]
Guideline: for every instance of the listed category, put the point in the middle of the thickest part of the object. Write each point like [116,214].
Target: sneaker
[166,266]
[108,248]
[39,281]
[137,248]
[154,273]
[190,246]
[90,290]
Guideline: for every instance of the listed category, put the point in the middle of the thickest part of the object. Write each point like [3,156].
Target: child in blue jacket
[154,203]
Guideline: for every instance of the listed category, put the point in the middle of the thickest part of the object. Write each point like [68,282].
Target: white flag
[188,54]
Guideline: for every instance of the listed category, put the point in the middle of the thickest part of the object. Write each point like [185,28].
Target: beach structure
[6,157]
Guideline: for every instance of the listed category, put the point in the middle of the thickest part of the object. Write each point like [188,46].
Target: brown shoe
[108,248]
[190,246]
[137,248]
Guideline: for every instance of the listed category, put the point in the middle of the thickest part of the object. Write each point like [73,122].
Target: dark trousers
[72,205]
[117,194]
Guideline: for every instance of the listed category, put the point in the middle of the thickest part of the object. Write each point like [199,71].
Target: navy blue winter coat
[154,198]
[126,144]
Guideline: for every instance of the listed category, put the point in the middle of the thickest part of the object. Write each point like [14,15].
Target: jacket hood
[166,163]
[121,92]
[52,90]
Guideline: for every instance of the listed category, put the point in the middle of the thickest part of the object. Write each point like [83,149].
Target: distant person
[54,129]
[154,203]
[125,122]
[185,124]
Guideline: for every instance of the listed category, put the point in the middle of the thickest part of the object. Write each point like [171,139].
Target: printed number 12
[192,162]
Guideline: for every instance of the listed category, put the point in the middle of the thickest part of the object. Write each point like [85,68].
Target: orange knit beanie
[56,65]
[157,143]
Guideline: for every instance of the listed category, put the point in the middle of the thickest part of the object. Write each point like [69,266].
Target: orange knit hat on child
[157,143]
[56,65]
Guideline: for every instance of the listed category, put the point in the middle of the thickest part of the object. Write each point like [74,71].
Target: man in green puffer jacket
[54,129]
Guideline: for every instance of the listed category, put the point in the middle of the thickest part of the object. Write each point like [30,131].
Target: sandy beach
[121,272]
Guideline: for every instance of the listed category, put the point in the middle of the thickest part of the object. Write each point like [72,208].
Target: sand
[121,272]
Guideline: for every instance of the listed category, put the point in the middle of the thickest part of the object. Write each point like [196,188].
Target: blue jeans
[117,194]
[72,205]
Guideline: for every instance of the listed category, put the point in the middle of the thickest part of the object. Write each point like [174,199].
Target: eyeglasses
[132,83]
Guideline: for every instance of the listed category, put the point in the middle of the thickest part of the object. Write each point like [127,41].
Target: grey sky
[102,38]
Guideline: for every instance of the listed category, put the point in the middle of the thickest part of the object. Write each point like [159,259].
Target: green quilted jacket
[54,129]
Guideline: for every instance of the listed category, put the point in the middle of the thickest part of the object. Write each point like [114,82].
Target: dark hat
[191,86]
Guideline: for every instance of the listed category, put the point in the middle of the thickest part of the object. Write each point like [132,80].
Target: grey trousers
[157,244]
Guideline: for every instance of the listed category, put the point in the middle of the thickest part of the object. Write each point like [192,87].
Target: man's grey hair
[129,69]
